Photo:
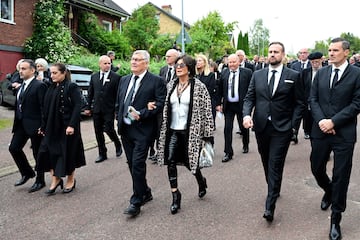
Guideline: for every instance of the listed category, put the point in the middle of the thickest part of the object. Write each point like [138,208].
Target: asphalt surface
[231,209]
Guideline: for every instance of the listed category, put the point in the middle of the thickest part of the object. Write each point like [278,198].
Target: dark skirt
[63,160]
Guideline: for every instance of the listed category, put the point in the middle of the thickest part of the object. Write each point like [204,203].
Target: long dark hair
[190,62]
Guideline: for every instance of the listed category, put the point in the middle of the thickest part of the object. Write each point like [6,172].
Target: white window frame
[107,25]
[10,19]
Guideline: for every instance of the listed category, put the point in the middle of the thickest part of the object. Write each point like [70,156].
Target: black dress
[58,151]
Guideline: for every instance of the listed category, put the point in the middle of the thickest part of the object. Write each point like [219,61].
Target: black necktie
[102,79]
[336,77]
[233,84]
[302,65]
[21,92]
[168,77]
[271,82]
[129,98]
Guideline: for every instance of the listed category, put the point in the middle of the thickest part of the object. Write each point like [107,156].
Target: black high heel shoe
[176,204]
[69,190]
[202,188]
[52,191]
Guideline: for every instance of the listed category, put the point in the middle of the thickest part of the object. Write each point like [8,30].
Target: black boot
[202,187]
[176,204]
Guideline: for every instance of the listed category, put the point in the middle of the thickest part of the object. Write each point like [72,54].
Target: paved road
[232,209]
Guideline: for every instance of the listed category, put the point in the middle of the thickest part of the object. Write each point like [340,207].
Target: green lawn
[5,123]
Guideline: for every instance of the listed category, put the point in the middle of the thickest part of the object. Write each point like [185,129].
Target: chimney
[167,8]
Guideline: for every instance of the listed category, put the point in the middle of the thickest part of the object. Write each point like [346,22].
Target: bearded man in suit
[277,97]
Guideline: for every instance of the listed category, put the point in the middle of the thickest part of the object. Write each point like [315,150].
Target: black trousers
[178,155]
[233,109]
[18,141]
[136,147]
[104,122]
[343,153]
[273,147]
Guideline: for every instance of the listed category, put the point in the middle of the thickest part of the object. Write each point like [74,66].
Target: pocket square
[106,80]
[289,81]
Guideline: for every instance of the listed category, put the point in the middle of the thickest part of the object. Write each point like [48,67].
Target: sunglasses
[181,65]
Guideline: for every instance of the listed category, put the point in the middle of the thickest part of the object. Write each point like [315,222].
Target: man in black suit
[111,55]
[244,63]
[168,72]
[261,64]
[307,77]
[303,61]
[136,122]
[27,121]
[234,82]
[335,105]
[102,94]
[276,95]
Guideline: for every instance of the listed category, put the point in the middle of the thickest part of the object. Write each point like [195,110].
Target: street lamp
[182,28]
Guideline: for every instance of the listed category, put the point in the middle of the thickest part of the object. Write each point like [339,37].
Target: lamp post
[182,28]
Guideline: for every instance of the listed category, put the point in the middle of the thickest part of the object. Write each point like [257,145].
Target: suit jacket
[32,107]
[249,66]
[306,78]
[260,66]
[285,106]
[164,70]
[297,65]
[341,103]
[244,78]
[152,88]
[102,98]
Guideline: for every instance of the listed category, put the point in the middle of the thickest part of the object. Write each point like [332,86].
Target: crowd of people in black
[167,118]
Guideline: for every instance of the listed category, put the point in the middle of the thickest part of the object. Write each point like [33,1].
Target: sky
[297,24]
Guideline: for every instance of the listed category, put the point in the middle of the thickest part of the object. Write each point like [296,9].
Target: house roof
[186,25]
[107,6]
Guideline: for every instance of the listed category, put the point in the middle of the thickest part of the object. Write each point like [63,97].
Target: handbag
[206,155]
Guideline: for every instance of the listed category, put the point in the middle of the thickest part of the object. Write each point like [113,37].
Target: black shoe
[23,180]
[147,197]
[245,149]
[176,204]
[226,158]
[118,151]
[325,202]
[269,215]
[100,159]
[202,188]
[36,187]
[306,136]
[132,210]
[69,190]
[238,132]
[335,232]
[294,139]
[52,191]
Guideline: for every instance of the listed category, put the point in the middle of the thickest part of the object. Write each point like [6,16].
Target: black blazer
[285,106]
[341,103]
[32,107]
[164,70]
[261,66]
[306,78]
[244,78]
[297,65]
[152,88]
[102,98]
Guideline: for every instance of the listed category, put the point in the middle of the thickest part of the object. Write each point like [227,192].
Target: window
[107,25]
[7,10]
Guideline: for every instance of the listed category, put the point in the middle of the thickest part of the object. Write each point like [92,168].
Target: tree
[210,36]
[142,28]
[51,39]
[259,38]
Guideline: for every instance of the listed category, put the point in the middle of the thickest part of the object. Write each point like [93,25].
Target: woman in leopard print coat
[187,123]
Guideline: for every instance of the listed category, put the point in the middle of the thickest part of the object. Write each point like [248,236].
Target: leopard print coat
[200,123]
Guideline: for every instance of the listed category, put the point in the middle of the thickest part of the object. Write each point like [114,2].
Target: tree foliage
[259,38]
[210,36]
[142,28]
[51,39]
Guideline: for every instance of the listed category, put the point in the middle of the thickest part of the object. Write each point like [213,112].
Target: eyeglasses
[181,65]
[137,59]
